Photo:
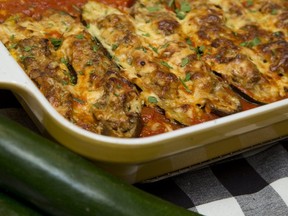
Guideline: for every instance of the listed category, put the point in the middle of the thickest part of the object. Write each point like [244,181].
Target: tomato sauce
[153,116]
[34,8]
[247,105]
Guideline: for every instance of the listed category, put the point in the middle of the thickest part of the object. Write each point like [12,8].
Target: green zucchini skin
[12,207]
[60,182]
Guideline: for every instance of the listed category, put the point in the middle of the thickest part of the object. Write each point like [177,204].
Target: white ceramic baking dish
[139,159]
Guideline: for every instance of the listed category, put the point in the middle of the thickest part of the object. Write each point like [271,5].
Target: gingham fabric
[248,185]
[254,183]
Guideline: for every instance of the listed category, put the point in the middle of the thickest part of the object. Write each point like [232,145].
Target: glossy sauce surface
[36,7]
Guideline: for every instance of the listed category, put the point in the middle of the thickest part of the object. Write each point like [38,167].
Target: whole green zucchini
[11,207]
[60,182]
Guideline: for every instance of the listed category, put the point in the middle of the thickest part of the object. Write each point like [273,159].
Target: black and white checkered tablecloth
[252,184]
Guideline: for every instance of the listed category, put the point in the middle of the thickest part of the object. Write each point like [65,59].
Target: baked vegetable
[62,183]
[11,207]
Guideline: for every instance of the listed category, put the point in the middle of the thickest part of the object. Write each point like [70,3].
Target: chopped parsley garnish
[249,3]
[187,78]
[256,41]
[22,58]
[183,10]
[153,9]
[78,100]
[184,62]
[152,99]
[98,105]
[199,50]
[13,45]
[95,48]
[73,78]
[185,6]
[27,48]
[277,34]
[115,58]
[89,63]
[12,37]
[153,48]
[80,36]
[114,47]
[56,42]
[170,3]
[166,64]
[64,82]
[164,46]
[274,11]
[64,61]
[189,42]
[146,35]
[143,49]
[180,14]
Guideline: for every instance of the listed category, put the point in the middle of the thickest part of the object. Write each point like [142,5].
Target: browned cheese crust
[166,64]
[75,73]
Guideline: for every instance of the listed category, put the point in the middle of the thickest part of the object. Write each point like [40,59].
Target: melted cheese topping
[239,44]
[137,48]
[75,73]
[190,61]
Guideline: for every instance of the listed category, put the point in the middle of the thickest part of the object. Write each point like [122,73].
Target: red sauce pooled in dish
[36,7]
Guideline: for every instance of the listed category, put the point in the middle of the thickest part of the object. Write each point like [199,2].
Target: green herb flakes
[249,3]
[164,46]
[274,11]
[256,41]
[170,3]
[78,100]
[114,47]
[56,42]
[152,99]
[180,14]
[13,46]
[153,48]
[64,61]
[146,35]
[183,10]
[27,48]
[79,36]
[187,77]
[166,64]
[189,42]
[95,48]
[12,37]
[153,9]
[185,7]
[22,58]
[143,49]
[89,63]
[184,61]
[184,84]
[277,34]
